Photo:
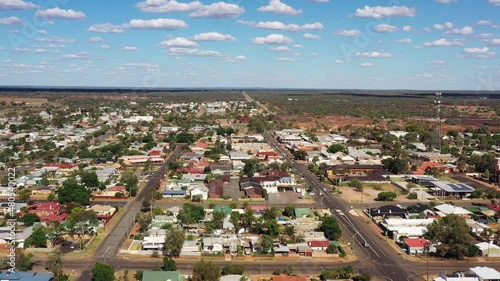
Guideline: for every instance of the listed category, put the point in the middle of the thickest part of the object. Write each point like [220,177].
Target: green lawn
[448,179]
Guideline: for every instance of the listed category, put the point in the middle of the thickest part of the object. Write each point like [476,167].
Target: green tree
[233,269]
[396,165]
[265,243]
[386,196]
[23,261]
[169,264]
[37,239]
[452,235]
[138,275]
[174,241]
[89,179]
[24,195]
[80,214]
[130,180]
[29,219]
[205,271]
[190,214]
[54,264]
[289,211]
[72,192]
[331,228]
[356,184]
[103,272]
[337,147]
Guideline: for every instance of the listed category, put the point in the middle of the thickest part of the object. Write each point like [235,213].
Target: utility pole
[427,250]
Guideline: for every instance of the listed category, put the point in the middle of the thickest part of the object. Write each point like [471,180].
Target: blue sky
[425,44]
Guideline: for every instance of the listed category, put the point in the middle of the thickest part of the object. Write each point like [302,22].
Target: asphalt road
[113,241]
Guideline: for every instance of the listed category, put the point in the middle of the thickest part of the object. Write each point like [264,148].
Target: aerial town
[130,189]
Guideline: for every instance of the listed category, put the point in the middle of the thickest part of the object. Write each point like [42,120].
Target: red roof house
[416,245]
[52,217]
[215,188]
[319,245]
[46,209]
[155,153]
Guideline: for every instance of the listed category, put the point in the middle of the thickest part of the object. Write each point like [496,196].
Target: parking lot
[233,189]
[288,197]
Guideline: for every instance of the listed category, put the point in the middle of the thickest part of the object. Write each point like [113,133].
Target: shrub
[386,196]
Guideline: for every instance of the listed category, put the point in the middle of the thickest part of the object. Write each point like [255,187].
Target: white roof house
[485,273]
[447,209]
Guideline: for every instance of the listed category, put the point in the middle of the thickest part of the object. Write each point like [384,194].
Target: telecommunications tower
[437,106]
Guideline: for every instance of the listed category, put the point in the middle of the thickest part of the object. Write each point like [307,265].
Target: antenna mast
[437,106]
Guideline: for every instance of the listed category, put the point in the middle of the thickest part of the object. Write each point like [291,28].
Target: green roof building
[302,212]
[162,276]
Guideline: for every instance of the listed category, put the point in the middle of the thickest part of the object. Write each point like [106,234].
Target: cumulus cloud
[339,61]
[35,50]
[494,42]
[219,10]
[484,50]
[383,12]
[179,51]
[286,59]
[484,22]
[278,7]
[161,24]
[348,33]
[446,1]
[103,46]
[277,25]
[466,30]
[403,41]
[130,48]
[178,42]
[494,2]
[385,28]
[373,55]
[42,31]
[272,39]
[280,49]
[366,64]
[96,39]
[213,36]
[196,9]
[311,36]
[443,43]
[80,55]
[11,21]
[54,39]
[438,26]
[57,13]
[106,28]
[6,5]
[407,28]
[436,62]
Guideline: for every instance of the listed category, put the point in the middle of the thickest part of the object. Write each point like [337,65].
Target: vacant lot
[369,193]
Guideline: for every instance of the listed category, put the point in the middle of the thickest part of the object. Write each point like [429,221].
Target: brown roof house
[215,188]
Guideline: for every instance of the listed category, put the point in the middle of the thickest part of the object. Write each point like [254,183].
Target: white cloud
[339,61]
[130,48]
[446,1]
[280,49]
[438,26]
[348,33]
[277,7]
[383,12]
[213,36]
[161,24]
[277,25]
[11,21]
[16,5]
[485,35]
[219,10]
[285,59]
[57,13]
[424,75]
[448,25]
[385,28]
[319,1]
[96,39]
[240,57]
[494,2]
[403,41]
[103,46]
[436,62]
[168,6]
[42,31]
[80,55]
[311,36]
[373,55]
[106,28]
[494,42]
[176,51]
[442,43]
[407,28]
[35,50]
[272,39]
[55,39]
[366,64]
[484,22]
[484,50]
[466,30]
[427,29]
[298,46]
[178,42]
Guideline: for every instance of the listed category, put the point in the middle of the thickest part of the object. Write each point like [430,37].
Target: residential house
[148,275]
[179,193]
[412,228]
[416,246]
[447,209]
[104,212]
[448,189]
[485,273]
[386,211]
[457,276]
[319,245]
[215,188]
[25,276]
[212,245]
[488,249]
[153,243]
[201,191]
[45,209]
